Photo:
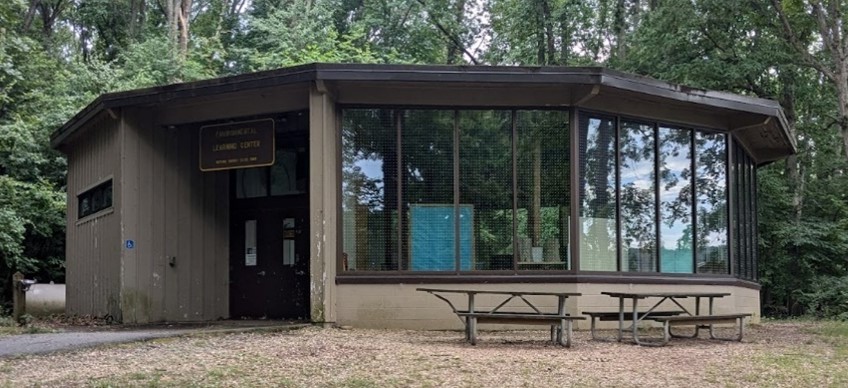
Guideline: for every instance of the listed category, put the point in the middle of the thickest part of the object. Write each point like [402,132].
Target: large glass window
[675,191]
[485,186]
[369,189]
[429,224]
[452,175]
[638,196]
[597,195]
[543,190]
[711,203]
[465,190]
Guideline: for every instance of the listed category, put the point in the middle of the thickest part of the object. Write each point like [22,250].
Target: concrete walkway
[26,344]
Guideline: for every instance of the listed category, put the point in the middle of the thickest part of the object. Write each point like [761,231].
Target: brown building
[330,192]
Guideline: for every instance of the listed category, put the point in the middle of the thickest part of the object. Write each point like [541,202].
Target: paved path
[25,344]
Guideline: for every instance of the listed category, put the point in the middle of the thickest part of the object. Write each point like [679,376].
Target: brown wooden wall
[93,255]
[176,215]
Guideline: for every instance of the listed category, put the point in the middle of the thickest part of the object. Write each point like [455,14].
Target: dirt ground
[787,354]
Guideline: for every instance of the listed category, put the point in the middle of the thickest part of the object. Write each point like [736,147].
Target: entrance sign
[237,145]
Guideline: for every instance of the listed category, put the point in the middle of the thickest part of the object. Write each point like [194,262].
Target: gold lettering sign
[237,145]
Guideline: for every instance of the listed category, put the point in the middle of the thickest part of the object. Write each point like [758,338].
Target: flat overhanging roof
[759,123]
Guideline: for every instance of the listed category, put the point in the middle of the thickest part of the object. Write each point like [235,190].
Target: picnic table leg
[471,322]
[565,326]
[561,311]
[712,334]
[697,312]
[620,318]
[739,321]
[635,320]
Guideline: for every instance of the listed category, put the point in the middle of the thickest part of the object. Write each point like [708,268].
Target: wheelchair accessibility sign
[129,244]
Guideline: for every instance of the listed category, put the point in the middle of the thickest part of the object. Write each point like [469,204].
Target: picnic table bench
[670,318]
[608,316]
[561,322]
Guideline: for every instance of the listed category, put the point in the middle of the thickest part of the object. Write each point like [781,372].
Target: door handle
[261,273]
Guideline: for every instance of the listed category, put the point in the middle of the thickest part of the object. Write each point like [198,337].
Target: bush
[827,298]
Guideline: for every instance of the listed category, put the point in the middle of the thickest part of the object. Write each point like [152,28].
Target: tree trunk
[549,32]
[536,203]
[184,18]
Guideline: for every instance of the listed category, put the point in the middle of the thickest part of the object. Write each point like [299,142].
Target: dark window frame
[104,191]
[578,115]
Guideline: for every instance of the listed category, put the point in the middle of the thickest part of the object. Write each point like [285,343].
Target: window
[428,190]
[96,199]
[638,197]
[598,232]
[744,214]
[288,175]
[711,203]
[543,190]
[675,192]
[455,184]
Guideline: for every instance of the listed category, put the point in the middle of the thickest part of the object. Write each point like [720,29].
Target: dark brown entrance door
[269,264]
[269,240]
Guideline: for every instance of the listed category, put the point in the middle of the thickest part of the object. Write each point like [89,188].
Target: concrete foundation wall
[400,306]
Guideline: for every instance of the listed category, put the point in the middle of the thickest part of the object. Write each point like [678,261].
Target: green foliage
[311,37]
[828,298]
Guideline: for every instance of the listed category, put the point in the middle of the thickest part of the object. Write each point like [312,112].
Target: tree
[815,30]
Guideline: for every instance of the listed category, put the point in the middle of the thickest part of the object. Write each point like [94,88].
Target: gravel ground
[363,358]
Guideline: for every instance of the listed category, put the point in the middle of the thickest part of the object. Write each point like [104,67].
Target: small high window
[96,199]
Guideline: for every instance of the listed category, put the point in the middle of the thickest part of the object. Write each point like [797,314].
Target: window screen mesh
[543,190]
[711,203]
[637,191]
[429,227]
[675,191]
[597,195]
[369,189]
[485,186]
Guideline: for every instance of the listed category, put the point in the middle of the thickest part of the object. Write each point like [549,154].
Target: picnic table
[560,321]
[681,317]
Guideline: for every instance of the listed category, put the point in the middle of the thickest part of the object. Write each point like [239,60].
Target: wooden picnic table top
[498,292]
[643,295]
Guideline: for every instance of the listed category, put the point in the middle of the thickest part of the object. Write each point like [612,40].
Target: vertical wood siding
[93,243]
[175,214]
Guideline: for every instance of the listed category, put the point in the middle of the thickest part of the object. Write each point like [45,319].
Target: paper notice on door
[250,259]
[288,252]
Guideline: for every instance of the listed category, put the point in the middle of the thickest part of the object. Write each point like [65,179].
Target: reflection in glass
[711,202]
[284,173]
[543,189]
[485,183]
[597,195]
[428,225]
[675,167]
[252,182]
[369,189]
[638,197]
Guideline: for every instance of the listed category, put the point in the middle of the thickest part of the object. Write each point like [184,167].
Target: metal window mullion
[399,183]
[694,203]
[514,143]
[617,152]
[755,257]
[730,202]
[657,200]
[456,212]
[575,162]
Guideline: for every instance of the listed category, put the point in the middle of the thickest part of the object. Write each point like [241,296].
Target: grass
[803,365]
[8,326]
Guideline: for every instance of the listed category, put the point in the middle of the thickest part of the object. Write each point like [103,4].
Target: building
[329,192]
